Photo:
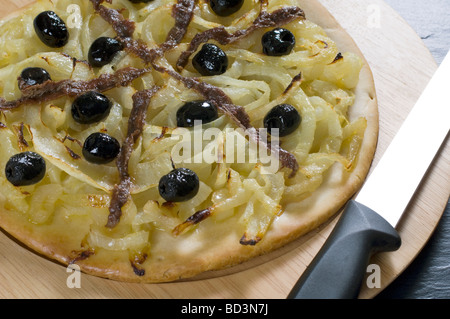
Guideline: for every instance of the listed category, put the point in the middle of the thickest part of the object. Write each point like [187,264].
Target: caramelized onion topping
[182,12]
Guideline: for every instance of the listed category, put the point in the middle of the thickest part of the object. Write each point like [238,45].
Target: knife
[367,224]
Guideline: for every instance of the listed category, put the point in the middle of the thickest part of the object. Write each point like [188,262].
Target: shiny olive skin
[278,42]
[283,117]
[25,168]
[210,60]
[34,75]
[90,107]
[100,148]
[225,8]
[180,185]
[51,29]
[103,51]
[196,111]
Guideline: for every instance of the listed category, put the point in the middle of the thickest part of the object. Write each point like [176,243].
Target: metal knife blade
[412,150]
[367,223]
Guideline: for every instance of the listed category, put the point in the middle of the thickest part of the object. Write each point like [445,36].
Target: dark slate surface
[428,277]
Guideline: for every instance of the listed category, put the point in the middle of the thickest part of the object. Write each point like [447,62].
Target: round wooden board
[402,66]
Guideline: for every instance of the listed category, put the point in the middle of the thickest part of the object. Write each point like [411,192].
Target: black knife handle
[339,268]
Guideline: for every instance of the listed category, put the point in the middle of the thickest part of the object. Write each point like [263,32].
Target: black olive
[51,29]
[100,148]
[196,110]
[90,107]
[283,117]
[180,185]
[210,60]
[103,50]
[278,42]
[32,76]
[25,168]
[225,8]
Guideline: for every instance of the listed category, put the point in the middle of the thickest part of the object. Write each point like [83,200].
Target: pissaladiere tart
[150,141]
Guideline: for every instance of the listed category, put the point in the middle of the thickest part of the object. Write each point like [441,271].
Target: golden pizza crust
[197,252]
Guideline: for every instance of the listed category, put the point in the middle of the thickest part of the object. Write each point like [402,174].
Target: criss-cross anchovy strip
[276,18]
[136,123]
[51,90]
